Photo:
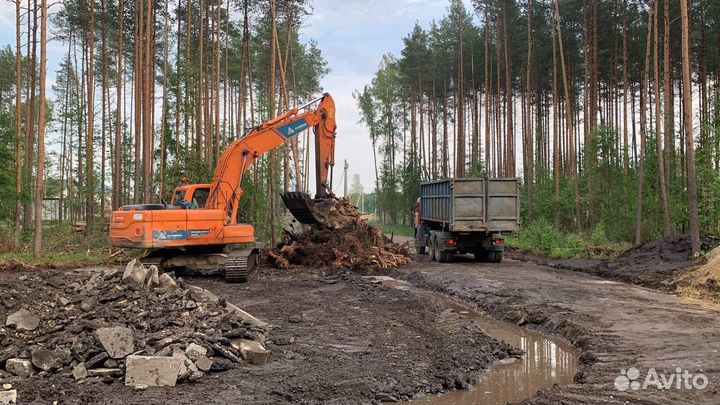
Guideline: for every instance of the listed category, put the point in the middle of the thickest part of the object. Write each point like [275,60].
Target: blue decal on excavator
[293,128]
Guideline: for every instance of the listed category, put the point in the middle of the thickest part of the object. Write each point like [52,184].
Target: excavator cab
[191,196]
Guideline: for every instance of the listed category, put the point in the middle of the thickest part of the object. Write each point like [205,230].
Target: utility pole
[345,192]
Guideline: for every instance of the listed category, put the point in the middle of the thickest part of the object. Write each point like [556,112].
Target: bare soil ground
[616,325]
[656,264]
[338,339]
[335,338]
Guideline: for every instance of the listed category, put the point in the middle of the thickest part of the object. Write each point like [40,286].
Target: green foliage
[543,238]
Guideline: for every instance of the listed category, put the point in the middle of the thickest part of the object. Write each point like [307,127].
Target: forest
[608,110]
[146,92]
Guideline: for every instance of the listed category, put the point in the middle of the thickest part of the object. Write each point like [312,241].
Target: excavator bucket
[330,212]
[301,206]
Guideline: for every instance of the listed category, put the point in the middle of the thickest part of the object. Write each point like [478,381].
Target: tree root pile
[344,240]
[91,323]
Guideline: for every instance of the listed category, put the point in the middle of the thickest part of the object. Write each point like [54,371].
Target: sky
[352,35]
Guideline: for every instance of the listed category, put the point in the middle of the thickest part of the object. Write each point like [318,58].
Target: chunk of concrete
[8,397]
[251,350]
[23,320]
[201,294]
[46,360]
[183,368]
[194,351]
[203,363]
[166,281]
[104,372]
[117,341]
[80,372]
[246,316]
[135,275]
[19,367]
[152,279]
[152,371]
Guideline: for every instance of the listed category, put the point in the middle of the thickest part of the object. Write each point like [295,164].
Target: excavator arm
[226,191]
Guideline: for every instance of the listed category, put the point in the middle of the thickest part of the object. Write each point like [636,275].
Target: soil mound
[654,264]
[703,281]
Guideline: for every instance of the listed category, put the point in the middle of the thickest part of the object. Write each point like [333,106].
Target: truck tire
[496,257]
[433,250]
[446,257]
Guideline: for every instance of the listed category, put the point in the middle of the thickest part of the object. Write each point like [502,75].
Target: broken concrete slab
[201,294]
[203,363]
[246,316]
[104,372]
[19,367]
[96,360]
[111,272]
[184,361]
[166,281]
[7,386]
[80,372]
[23,320]
[8,397]
[117,341]
[46,360]
[194,351]
[152,371]
[152,279]
[251,350]
[135,275]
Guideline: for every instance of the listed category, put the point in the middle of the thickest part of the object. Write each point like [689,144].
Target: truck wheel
[442,256]
[496,257]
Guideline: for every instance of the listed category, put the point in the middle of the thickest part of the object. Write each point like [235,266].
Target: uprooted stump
[344,240]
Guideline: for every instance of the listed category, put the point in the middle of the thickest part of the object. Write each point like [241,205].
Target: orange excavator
[201,221]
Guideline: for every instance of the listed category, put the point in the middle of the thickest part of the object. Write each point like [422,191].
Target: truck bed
[471,204]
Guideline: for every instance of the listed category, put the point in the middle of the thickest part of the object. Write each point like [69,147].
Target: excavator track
[241,265]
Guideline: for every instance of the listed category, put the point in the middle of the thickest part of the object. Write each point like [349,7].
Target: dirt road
[336,338]
[617,326]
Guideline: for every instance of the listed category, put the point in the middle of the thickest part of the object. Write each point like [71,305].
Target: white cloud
[353,35]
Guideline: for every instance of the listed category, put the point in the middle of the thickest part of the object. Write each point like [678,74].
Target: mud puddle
[546,362]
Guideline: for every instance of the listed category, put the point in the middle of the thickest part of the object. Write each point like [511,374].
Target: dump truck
[466,215]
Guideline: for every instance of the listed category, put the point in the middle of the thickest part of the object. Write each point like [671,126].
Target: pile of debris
[136,326]
[344,239]
[702,281]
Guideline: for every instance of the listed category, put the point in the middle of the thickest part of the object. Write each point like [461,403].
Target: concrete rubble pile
[136,326]
[345,239]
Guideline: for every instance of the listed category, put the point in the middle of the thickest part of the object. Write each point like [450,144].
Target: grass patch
[544,239]
[61,248]
[399,230]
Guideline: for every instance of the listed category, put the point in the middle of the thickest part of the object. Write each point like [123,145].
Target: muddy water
[546,361]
